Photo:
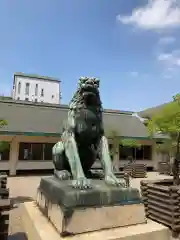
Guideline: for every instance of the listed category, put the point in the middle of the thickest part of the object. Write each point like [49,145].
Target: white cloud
[166,40]
[157,14]
[170,63]
[170,69]
[171,60]
[167,75]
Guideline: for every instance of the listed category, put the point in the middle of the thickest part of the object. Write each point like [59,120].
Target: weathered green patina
[83,140]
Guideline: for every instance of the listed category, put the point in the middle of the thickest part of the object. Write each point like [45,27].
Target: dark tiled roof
[46,78]
[46,118]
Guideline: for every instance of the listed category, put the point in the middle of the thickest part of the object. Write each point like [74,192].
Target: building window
[147,152]
[19,87]
[36,90]
[4,151]
[126,152]
[42,92]
[27,89]
[141,153]
[26,99]
[35,151]
[52,96]
[24,151]
[48,151]
[35,100]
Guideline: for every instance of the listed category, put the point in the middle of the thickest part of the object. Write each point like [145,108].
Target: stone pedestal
[37,227]
[74,211]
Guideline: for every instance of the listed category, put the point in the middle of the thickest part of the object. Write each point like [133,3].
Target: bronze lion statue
[83,140]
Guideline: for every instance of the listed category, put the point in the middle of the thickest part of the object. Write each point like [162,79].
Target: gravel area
[23,189]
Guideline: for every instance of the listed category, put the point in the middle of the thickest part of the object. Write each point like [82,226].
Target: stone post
[13,156]
[116,163]
[156,157]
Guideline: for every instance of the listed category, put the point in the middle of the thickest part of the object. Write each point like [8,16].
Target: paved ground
[24,189]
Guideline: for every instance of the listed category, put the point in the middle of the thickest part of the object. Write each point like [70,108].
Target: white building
[34,88]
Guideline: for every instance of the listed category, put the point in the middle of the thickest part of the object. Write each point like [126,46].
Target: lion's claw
[113,180]
[81,183]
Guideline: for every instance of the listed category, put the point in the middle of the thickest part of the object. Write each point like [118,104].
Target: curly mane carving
[77,100]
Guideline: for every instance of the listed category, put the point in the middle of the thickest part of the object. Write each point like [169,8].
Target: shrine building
[33,128]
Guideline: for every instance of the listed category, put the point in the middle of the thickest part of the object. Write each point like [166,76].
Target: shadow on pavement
[21,199]
[18,236]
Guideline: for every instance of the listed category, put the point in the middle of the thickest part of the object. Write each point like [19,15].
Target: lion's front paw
[81,183]
[113,180]
[62,175]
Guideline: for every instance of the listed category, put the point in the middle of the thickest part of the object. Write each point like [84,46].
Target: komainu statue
[83,140]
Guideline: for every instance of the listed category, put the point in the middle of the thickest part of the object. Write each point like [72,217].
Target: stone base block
[74,211]
[38,227]
[80,220]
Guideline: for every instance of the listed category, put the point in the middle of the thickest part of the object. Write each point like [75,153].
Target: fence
[162,202]
[4,208]
[136,170]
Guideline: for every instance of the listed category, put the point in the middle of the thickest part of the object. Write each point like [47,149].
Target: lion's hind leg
[60,162]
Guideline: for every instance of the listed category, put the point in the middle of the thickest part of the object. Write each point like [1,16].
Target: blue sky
[132,46]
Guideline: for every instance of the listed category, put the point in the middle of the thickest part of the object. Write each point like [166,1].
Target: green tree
[167,147]
[2,97]
[167,121]
[3,145]
[3,123]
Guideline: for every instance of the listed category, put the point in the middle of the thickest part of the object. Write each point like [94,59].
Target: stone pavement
[23,189]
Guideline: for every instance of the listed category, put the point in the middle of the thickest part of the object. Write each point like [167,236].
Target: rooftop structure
[35,88]
[47,119]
